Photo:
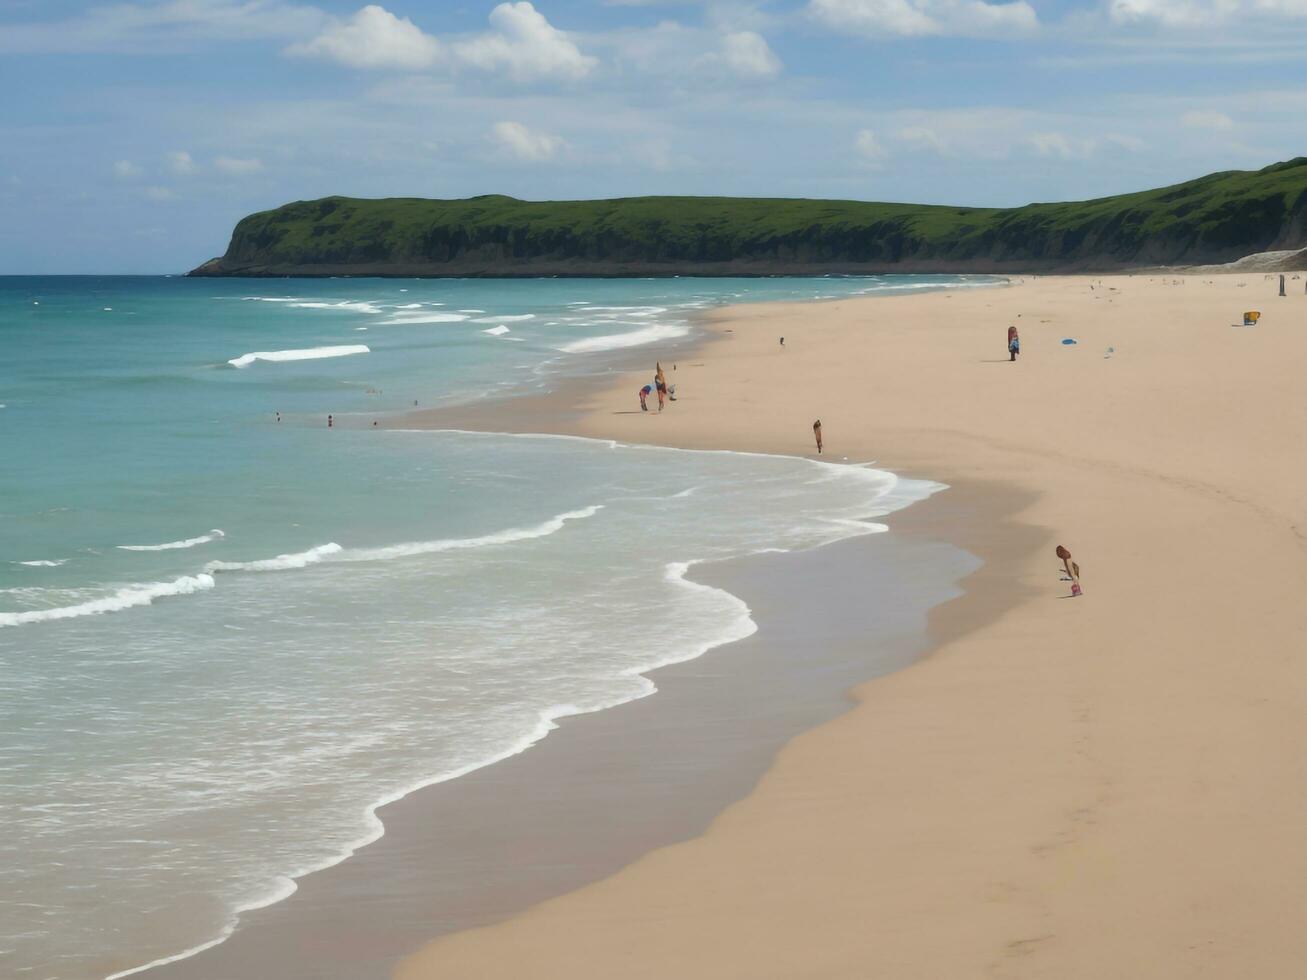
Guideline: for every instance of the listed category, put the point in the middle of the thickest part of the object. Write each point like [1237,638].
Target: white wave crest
[498,331]
[635,338]
[335,553]
[508,536]
[308,354]
[510,319]
[213,535]
[629,310]
[297,559]
[345,305]
[124,598]
[44,563]
[401,321]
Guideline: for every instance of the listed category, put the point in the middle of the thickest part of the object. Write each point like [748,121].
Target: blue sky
[133,135]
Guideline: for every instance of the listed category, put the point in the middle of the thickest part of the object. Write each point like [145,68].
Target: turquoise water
[224,638]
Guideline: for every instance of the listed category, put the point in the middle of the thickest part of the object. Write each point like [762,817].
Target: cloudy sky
[134,134]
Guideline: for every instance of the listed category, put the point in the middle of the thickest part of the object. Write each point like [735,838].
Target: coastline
[608,786]
[264,934]
[1066,789]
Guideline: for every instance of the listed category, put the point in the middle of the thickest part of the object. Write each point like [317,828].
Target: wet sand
[608,787]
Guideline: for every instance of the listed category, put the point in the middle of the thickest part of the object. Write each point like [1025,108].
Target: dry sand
[1094,787]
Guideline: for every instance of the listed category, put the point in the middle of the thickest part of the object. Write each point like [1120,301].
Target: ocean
[228,632]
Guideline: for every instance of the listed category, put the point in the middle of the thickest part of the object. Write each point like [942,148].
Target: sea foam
[213,535]
[297,559]
[308,354]
[124,598]
[635,338]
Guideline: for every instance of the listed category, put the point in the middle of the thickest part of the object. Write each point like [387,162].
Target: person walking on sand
[660,383]
[1013,342]
[1072,569]
[816,431]
[644,395]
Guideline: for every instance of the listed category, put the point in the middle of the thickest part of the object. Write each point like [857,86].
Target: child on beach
[1072,569]
[1013,343]
[816,431]
[644,394]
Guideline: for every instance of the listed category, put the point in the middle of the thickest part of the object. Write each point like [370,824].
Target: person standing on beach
[644,395]
[1013,342]
[330,421]
[816,431]
[1072,569]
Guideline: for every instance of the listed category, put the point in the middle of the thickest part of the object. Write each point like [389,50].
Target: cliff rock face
[1213,219]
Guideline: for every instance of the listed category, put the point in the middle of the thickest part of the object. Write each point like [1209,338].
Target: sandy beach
[1109,785]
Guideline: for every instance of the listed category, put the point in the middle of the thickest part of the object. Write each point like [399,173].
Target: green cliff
[1213,219]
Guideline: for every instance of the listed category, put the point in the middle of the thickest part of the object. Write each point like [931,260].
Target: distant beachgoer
[782,341]
[816,431]
[1072,569]
[644,394]
[329,422]
[374,423]
[279,416]
[1013,343]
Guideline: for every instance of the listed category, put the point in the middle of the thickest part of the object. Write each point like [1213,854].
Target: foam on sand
[124,598]
[635,338]
[213,535]
[307,354]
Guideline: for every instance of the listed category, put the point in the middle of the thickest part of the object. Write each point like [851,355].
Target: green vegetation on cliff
[1212,219]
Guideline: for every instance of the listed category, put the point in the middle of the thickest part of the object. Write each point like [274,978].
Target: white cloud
[1060,145]
[1190,14]
[919,18]
[159,193]
[525,46]
[748,54]
[868,147]
[923,138]
[1206,120]
[126,170]
[237,166]
[521,44]
[374,38]
[526,144]
[180,162]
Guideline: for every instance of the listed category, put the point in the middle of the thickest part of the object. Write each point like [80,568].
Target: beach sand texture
[1106,786]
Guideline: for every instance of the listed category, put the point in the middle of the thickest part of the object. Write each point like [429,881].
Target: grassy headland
[1217,218]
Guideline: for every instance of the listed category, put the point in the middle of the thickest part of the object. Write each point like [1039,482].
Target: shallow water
[224,639]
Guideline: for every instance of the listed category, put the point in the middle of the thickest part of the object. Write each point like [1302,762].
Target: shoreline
[1065,789]
[607,364]
[559,772]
